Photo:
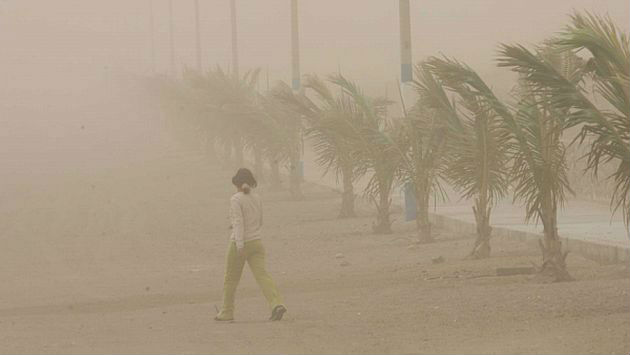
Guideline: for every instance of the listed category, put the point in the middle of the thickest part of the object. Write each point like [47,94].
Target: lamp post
[295,46]
[406,72]
[152,30]
[198,35]
[171,39]
[406,91]
[234,39]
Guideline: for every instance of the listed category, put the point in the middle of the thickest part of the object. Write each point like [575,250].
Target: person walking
[246,216]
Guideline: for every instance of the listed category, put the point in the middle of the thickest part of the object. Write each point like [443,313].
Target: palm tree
[477,165]
[232,103]
[537,153]
[202,115]
[423,142]
[605,126]
[330,126]
[286,143]
[231,112]
[184,108]
[543,123]
[373,151]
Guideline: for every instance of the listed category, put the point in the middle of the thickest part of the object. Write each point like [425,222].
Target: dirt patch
[135,265]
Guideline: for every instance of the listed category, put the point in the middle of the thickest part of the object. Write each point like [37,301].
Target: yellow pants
[255,256]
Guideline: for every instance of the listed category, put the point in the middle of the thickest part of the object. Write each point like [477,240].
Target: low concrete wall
[605,254]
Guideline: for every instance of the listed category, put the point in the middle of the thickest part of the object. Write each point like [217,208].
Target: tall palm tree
[477,164]
[605,126]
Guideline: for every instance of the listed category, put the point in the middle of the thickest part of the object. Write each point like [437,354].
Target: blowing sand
[131,261]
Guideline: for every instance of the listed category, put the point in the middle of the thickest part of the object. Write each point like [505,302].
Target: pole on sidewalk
[171,38]
[198,35]
[234,39]
[295,46]
[152,29]
[406,72]
[407,94]
[406,91]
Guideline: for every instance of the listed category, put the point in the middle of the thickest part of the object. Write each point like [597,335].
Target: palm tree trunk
[258,166]
[347,198]
[383,224]
[554,259]
[423,223]
[238,151]
[210,148]
[228,152]
[481,249]
[276,183]
[482,211]
[294,177]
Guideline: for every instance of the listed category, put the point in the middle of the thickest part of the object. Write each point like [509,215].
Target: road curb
[601,253]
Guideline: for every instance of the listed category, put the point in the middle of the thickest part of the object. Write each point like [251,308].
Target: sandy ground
[131,261]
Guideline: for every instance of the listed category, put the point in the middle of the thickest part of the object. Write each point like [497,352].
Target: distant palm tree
[285,144]
[477,159]
[202,116]
[605,126]
[231,112]
[185,109]
[232,103]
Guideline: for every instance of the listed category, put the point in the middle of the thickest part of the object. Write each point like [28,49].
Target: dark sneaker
[278,312]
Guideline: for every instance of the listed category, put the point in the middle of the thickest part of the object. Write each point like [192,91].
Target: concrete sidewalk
[577,220]
[583,220]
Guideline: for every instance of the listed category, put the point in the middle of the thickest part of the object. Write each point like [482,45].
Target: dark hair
[244,180]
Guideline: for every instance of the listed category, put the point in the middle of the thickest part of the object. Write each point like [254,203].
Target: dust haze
[115,189]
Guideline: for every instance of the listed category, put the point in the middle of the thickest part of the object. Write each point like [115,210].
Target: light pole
[237,139]
[406,73]
[406,67]
[234,39]
[152,29]
[406,91]
[171,39]
[198,35]
[295,46]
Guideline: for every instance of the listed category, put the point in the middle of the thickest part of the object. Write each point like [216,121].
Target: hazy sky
[59,110]
[51,38]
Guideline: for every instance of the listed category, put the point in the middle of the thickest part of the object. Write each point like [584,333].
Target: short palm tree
[538,164]
[330,125]
[202,116]
[233,106]
[423,136]
[286,145]
[540,167]
[605,126]
[477,159]
[372,151]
